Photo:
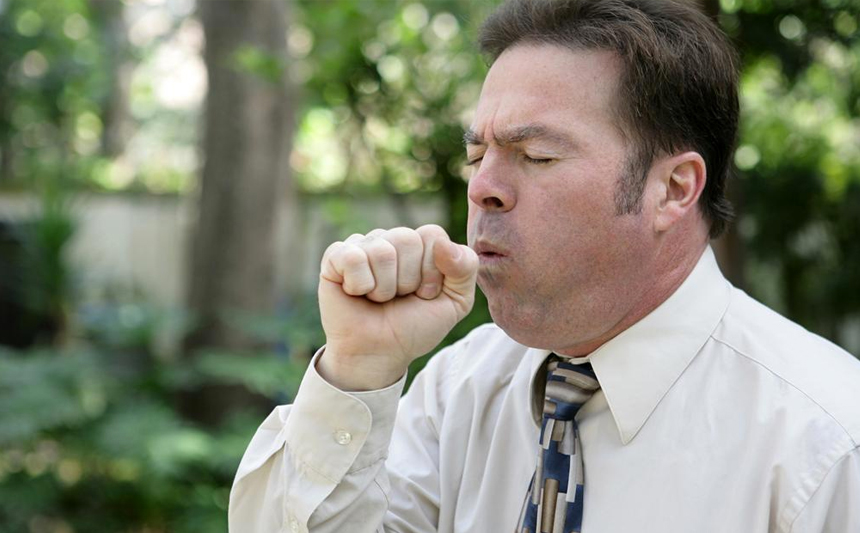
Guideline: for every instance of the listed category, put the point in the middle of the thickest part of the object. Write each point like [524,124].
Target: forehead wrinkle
[534,132]
[521,134]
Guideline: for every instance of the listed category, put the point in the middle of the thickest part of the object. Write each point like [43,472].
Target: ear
[681,179]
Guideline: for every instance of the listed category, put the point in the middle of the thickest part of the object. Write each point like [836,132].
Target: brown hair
[678,85]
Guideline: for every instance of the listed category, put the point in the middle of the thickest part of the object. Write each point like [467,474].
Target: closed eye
[532,160]
[537,161]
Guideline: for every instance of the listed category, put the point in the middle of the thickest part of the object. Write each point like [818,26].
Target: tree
[246,143]
[115,113]
[797,157]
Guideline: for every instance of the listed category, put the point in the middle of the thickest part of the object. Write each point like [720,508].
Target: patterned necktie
[554,500]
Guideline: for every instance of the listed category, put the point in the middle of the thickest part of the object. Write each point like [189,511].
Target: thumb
[459,265]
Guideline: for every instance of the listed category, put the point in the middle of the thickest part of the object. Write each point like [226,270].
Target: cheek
[470,222]
[574,219]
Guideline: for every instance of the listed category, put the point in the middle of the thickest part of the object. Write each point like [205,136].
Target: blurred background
[172,170]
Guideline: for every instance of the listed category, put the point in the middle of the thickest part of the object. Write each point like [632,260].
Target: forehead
[564,89]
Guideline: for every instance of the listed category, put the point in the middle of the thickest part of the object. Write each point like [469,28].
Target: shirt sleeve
[317,465]
[329,462]
[835,506]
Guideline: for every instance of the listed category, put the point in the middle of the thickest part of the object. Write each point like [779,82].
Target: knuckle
[382,253]
[432,230]
[365,285]
[352,257]
[357,287]
[355,237]
[332,249]
[402,236]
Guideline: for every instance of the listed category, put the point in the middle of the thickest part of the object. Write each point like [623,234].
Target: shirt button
[294,525]
[342,437]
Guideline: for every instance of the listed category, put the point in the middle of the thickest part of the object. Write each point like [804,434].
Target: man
[600,147]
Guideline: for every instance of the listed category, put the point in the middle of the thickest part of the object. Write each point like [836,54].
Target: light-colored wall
[140,242]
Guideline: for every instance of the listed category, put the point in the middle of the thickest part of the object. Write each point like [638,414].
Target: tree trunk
[116,112]
[245,144]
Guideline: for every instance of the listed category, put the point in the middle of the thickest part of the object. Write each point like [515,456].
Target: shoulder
[814,369]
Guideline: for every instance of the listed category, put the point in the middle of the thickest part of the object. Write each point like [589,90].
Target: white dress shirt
[715,414]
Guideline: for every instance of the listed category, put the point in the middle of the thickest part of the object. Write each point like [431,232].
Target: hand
[388,298]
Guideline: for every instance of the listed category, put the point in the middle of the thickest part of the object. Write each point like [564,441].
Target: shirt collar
[638,366]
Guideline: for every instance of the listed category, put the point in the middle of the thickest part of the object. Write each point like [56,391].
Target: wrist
[357,374]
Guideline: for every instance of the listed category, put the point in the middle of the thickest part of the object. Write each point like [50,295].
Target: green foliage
[270,375]
[67,391]
[51,91]
[387,88]
[259,63]
[91,440]
[798,157]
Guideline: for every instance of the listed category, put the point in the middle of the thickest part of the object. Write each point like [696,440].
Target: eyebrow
[521,134]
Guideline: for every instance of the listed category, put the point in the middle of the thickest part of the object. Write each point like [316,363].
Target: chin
[525,326]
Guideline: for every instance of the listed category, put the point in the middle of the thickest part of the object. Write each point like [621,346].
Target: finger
[459,265]
[348,265]
[327,270]
[382,257]
[410,250]
[431,277]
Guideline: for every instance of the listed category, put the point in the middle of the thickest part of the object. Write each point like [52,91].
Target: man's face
[559,267]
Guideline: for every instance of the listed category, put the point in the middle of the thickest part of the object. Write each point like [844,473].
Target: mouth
[489,256]
[489,253]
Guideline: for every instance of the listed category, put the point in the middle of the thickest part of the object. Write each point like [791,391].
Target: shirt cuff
[334,432]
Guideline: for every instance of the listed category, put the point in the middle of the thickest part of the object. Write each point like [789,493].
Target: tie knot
[568,387]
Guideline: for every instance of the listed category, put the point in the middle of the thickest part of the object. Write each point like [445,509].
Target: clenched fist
[387,298]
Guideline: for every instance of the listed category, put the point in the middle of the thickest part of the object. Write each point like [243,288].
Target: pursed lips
[489,253]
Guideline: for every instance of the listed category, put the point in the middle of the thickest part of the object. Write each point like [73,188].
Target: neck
[673,265]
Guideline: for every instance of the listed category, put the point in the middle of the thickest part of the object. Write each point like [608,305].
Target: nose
[490,187]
